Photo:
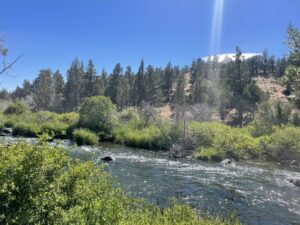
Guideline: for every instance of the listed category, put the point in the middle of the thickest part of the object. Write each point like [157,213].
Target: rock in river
[296,182]
[107,159]
[228,162]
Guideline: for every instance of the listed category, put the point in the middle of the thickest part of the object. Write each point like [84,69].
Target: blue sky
[51,33]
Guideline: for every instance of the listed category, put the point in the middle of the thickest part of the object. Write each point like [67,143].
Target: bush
[26,130]
[84,137]
[16,108]
[97,113]
[41,184]
[211,154]
[59,129]
[128,115]
[284,143]
[152,137]
[217,141]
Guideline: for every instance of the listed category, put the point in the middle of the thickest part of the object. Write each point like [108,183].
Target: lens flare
[215,39]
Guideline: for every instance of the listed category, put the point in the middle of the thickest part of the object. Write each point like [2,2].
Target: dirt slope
[272,88]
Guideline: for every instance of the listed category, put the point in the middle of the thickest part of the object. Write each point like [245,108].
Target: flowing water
[259,193]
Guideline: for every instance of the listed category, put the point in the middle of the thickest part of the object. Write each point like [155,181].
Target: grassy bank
[41,184]
[209,140]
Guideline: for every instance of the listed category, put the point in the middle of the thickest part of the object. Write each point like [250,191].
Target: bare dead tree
[3,53]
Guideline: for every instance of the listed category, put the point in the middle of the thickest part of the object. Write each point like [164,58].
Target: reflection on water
[259,193]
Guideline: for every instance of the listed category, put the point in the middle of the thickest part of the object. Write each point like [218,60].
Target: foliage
[217,141]
[85,137]
[97,113]
[43,90]
[57,128]
[32,124]
[135,132]
[284,143]
[16,108]
[26,130]
[41,184]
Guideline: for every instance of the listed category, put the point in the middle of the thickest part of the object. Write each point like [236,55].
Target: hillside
[272,89]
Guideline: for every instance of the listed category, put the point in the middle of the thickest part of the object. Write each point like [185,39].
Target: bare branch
[6,67]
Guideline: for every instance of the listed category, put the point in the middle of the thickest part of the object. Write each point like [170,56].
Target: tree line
[218,86]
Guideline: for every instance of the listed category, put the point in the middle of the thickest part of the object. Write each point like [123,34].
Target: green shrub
[148,138]
[16,108]
[211,154]
[41,184]
[284,143]
[97,113]
[296,119]
[26,130]
[217,141]
[59,129]
[85,137]
[128,115]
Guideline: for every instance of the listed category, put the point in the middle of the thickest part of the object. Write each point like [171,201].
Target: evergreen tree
[140,85]
[59,84]
[113,83]
[43,90]
[179,95]
[265,60]
[245,93]
[168,82]
[89,79]
[280,67]
[151,85]
[104,77]
[292,74]
[74,88]
[98,86]
[27,88]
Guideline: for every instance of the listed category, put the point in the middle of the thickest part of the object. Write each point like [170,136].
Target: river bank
[258,192]
[207,141]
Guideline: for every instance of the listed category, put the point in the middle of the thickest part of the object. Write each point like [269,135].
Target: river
[259,193]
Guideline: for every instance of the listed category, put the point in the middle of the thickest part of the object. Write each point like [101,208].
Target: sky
[51,33]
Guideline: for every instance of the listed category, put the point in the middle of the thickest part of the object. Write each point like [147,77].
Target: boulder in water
[296,182]
[107,159]
[228,162]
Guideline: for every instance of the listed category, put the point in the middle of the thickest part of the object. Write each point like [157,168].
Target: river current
[258,193]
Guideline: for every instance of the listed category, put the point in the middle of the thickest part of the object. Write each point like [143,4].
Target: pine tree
[89,79]
[140,85]
[43,90]
[98,86]
[179,95]
[168,82]
[74,88]
[151,84]
[113,83]
[104,77]
[245,93]
[59,84]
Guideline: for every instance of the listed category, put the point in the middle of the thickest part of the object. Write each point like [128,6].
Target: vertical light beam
[215,41]
[215,38]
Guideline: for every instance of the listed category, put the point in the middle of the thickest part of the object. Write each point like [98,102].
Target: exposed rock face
[295,181]
[107,159]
